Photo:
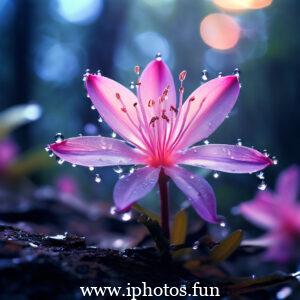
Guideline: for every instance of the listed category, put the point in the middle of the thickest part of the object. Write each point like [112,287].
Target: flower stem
[163,183]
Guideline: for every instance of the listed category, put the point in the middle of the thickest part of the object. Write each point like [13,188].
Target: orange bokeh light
[242,4]
[220,31]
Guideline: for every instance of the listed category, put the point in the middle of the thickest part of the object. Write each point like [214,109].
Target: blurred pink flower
[160,133]
[67,185]
[8,153]
[279,213]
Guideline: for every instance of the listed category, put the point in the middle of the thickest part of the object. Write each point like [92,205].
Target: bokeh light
[220,31]
[242,4]
[46,66]
[81,12]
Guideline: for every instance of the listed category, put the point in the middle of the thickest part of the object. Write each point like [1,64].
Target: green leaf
[226,247]
[146,212]
[179,228]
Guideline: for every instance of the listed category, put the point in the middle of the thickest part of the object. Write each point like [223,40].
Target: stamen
[137,69]
[182,75]
[151,103]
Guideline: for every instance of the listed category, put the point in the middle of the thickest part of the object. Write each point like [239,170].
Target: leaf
[157,234]
[179,229]
[146,212]
[33,161]
[254,284]
[226,247]
[16,116]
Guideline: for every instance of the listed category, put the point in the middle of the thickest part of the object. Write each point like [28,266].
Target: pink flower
[279,213]
[160,132]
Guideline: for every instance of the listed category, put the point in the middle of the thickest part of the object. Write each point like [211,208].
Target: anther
[135,104]
[172,108]
[151,103]
[124,109]
[137,69]
[192,99]
[152,121]
[164,116]
[118,96]
[182,75]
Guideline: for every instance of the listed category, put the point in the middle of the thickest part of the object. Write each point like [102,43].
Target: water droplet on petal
[284,292]
[126,216]
[204,76]
[237,72]
[266,154]
[73,165]
[118,170]
[239,142]
[131,170]
[132,85]
[93,107]
[97,178]
[275,160]
[216,175]
[113,210]
[260,175]
[222,221]
[262,186]
[206,142]
[113,135]
[50,153]
[158,56]
[91,168]
[58,138]
[59,160]
[100,120]
[98,72]
[220,74]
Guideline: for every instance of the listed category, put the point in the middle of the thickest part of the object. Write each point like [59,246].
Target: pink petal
[198,191]
[288,183]
[154,79]
[213,102]
[225,158]
[96,151]
[103,93]
[134,187]
[262,211]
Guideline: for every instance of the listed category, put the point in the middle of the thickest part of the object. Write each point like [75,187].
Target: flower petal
[225,158]
[103,93]
[198,191]
[134,186]
[262,211]
[154,79]
[213,102]
[288,183]
[96,151]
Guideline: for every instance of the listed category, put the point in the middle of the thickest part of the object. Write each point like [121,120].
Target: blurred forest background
[46,46]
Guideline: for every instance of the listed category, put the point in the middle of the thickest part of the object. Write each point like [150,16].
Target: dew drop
[100,120]
[58,138]
[275,160]
[50,153]
[220,74]
[126,216]
[93,107]
[262,186]
[216,175]
[98,72]
[113,135]
[118,170]
[59,160]
[237,72]
[204,76]
[239,142]
[222,222]
[74,165]
[131,170]
[260,175]
[158,56]
[192,177]
[91,168]
[132,85]
[113,210]
[97,178]
[266,154]
[206,142]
